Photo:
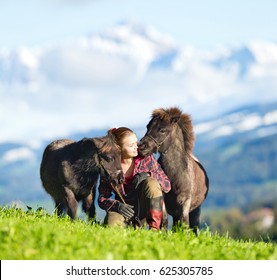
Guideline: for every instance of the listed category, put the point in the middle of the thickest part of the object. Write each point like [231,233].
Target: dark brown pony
[170,133]
[69,171]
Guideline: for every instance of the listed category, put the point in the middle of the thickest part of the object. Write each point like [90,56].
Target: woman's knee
[152,188]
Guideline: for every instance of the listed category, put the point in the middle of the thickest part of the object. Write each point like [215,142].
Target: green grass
[35,235]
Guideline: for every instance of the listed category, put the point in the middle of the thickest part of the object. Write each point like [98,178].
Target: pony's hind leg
[60,208]
[194,219]
[72,203]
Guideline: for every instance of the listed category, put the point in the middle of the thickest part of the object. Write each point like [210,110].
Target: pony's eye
[162,130]
[108,158]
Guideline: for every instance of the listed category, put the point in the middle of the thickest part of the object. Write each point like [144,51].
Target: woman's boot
[154,214]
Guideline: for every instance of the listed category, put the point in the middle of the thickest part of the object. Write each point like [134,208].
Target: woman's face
[129,148]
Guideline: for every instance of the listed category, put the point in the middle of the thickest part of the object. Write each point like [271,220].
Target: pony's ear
[86,146]
[111,134]
[99,142]
[174,119]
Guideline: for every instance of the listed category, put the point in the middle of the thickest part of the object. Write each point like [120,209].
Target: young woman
[140,197]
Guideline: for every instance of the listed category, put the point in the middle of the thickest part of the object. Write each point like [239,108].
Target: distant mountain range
[238,149]
[245,123]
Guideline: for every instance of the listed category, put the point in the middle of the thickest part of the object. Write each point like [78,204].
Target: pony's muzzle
[117,177]
[120,177]
[147,146]
[143,148]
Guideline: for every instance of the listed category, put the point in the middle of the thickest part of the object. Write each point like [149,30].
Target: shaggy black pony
[69,171]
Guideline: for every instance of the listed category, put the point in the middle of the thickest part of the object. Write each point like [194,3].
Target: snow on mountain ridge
[239,122]
[137,35]
[143,44]
[19,67]
[251,123]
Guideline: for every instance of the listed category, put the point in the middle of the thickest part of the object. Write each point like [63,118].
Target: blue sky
[201,23]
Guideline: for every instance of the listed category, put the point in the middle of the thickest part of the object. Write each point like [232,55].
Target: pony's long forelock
[167,114]
[184,122]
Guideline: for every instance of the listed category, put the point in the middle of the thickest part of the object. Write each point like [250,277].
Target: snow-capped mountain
[243,124]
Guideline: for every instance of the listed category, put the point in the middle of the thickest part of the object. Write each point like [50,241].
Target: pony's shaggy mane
[175,115]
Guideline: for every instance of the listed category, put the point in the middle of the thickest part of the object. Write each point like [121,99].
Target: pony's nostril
[142,146]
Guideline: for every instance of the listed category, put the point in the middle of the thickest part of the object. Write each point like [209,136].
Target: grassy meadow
[33,235]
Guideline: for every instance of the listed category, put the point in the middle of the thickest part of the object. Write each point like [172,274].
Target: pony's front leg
[184,219]
[165,218]
[88,204]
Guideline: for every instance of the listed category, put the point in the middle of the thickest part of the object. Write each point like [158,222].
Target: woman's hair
[120,133]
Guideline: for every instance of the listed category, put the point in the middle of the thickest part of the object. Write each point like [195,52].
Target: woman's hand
[125,210]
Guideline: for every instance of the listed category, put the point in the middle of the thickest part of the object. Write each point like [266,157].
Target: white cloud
[17,155]
[223,130]
[270,118]
[101,82]
[84,67]
[250,122]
